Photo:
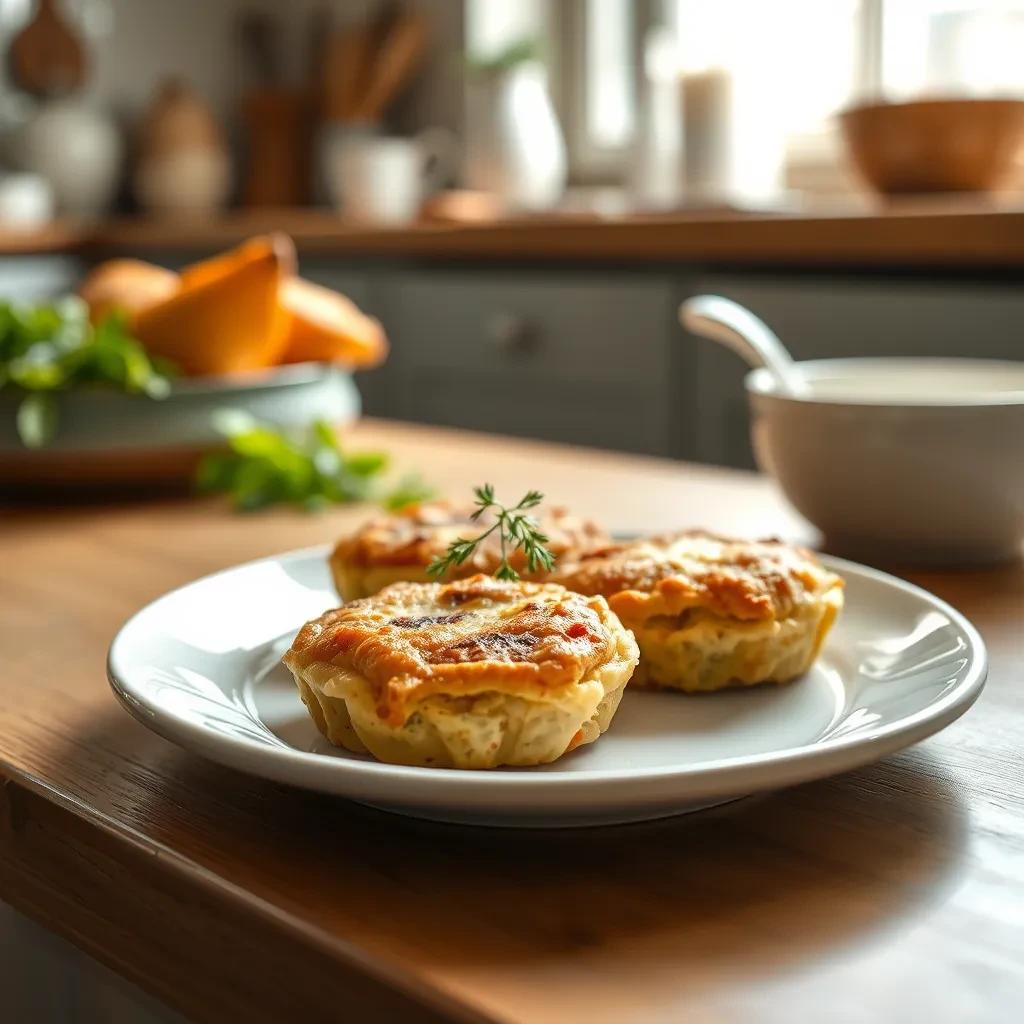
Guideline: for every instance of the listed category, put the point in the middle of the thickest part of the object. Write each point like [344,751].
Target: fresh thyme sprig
[516,530]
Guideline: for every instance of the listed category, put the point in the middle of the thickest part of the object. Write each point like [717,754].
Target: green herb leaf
[326,435]
[215,473]
[516,530]
[519,52]
[53,347]
[367,463]
[410,490]
[310,469]
[37,419]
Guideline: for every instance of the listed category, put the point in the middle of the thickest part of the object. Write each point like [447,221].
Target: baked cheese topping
[415,640]
[419,534]
[668,575]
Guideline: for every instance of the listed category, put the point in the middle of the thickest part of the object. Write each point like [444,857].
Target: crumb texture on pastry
[469,674]
[710,612]
[398,547]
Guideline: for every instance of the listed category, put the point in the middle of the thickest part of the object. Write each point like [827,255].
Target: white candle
[707,116]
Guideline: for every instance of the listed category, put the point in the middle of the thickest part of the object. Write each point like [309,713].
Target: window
[790,64]
[494,25]
[785,67]
[594,65]
[610,103]
[933,46]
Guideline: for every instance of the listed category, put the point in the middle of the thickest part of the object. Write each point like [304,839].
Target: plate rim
[859,749]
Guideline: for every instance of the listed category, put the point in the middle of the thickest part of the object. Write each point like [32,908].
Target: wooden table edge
[36,823]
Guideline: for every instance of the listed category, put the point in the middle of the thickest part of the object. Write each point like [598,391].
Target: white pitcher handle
[439,157]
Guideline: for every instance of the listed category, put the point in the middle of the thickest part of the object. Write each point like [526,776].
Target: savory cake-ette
[401,546]
[474,673]
[709,612]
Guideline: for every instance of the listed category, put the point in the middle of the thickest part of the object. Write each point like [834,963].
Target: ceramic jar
[183,164]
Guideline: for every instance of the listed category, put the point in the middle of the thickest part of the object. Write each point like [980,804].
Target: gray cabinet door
[579,358]
[820,318]
[354,282]
[38,278]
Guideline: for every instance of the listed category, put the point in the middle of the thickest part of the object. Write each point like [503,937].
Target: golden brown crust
[734,579]
[414,640]
[708,612]
[415,536]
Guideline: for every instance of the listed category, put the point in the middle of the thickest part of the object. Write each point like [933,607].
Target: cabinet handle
[512,334]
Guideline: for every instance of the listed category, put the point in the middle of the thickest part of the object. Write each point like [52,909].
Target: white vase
[77,149]
[514,145]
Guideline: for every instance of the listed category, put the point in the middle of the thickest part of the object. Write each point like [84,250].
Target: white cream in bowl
[913,459]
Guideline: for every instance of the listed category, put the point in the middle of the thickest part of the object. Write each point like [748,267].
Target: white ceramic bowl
[917,460]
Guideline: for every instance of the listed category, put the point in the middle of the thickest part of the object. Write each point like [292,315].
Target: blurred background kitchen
[523,193]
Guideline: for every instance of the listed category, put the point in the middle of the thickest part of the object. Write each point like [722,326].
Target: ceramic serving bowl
[107,438]
[938,145]
[916,460]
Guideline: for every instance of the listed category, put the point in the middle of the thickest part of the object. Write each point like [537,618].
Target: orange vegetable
[240,310]
[226,317]
[126,285]
[326,327]
[222,263]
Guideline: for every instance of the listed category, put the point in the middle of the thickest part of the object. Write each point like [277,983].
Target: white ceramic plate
[201,666]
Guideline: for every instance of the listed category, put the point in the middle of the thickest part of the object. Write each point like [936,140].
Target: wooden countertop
[890,893]
[918,234]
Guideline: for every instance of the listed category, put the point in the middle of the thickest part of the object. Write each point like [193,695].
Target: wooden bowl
[953,145]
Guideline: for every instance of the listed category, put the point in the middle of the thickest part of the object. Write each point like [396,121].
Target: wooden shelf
[907,235]
[59,236]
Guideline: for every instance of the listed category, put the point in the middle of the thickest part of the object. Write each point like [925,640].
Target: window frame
[589,163]
[814,155]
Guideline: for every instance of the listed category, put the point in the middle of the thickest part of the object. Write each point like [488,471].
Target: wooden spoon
[344,59]
[47,58]
[397,62]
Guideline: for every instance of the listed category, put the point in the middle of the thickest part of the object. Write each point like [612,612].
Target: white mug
[385,179]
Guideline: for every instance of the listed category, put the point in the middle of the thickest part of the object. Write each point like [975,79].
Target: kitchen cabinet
[594,355]
[34,278]
[580,358]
